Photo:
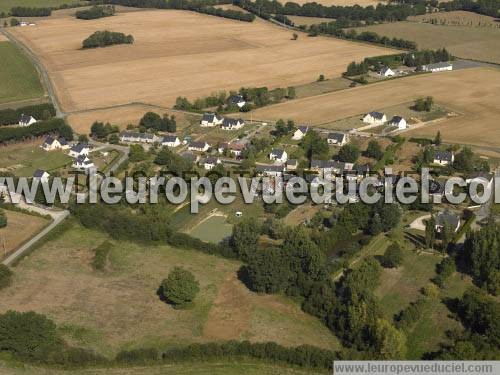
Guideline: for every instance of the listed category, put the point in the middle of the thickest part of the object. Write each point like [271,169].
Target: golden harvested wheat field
[473,93]
[179,53]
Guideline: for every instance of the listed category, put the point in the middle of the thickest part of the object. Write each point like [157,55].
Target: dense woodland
[52,126]
[95,12]
[40,112]
[30,12]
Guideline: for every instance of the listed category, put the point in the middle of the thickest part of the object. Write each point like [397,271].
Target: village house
[210,163]
[232,124]
[131,137]
[270,170]
[278,155]
[337,139]
[79,149]
[235,148]
[83,163]
[236,100]
[330,167]
[437,67]
[447,218]
[399,122]
[171,141]
[292,164]
[300,133]
[51,144]
[443,157]
[41,175]
[375,118]
[26,120]
[387,72]
[209,120]
[198,146]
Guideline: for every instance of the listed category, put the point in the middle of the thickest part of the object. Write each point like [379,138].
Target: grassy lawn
[23,159]
[19,78]
[228,367]
[6,5]
[119,308]
[318,88]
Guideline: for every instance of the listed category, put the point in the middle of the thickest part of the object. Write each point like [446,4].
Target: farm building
[337,139]
[375,118]
[51,144]
[399,122]
[171,141]
[26,120]
[300,133]
[41,175]
[387,72]
[437,67]
[79,149]
[232,124]
[278,155]
[209,120]
[443,157]
[198,146]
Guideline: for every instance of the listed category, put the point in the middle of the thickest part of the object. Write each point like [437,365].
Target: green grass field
[6,5]
[18,77]
[23,159]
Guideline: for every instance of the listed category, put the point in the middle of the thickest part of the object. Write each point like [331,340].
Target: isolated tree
[321,78]
[136,153]
[393,256]
[295,36]
[349,153]
[438,140]
[430,233]
[180,287]
[5,276]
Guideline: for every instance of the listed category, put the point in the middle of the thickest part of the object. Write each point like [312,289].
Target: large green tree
[180,287]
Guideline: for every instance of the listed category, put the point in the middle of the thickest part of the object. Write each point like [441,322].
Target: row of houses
[210,120]
[146,138]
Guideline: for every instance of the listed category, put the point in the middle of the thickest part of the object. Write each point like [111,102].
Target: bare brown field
[20,228]
[179,53]
[120,308]
[457,18]
[479,43]
[472,93]
[123,116]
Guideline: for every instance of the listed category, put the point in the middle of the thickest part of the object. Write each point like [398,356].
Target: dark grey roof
[195,144]
[25,118]
[49,140]
[82,159]
[78,147]
[269,168]
[339,137]
[38,173]
[62,141]
[230,121]
[330,164]
[169,138]
[277,153]
[235,99]
[443,155]
[377,115]
[304,129]
[396,120]
[292,162]
[211,160]
[449,218]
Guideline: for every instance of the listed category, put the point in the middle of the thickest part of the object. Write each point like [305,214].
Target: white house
[171,141]
[78,150]
[270,170]
[443,157]
[398,122]
[437,67]
[387,72]
[210,163]
[209,120]
[130,137]
[232,124]
[375,118]
[26,120]
[337,139]
[83,163]
[278,155]
[51,144]
[237,100]
[235,148]
[41,175]
[300,133]
[198,146]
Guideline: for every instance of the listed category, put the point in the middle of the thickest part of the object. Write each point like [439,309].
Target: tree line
[487,7]
[30,12]
[96,12]
[41,128]
[106,38]
[11,116]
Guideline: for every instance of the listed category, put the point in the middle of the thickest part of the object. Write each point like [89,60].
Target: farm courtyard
[178,53]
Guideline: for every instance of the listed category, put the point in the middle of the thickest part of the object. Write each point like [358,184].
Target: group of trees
[349,153]
[152,120]
[96,12]
[315,146]
[30,12]
[39,111]
[5,276]
[225,13]
[424,57]
[100,130]
[487,7]
[374,150]
[354,69]
[53,126]
[424,104]
[106,38]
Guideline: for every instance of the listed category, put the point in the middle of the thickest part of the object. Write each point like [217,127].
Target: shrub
[101,256]
[5,276]
[180,287]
